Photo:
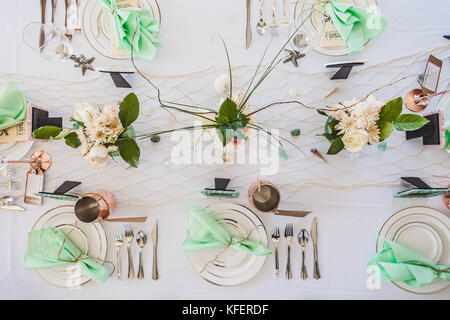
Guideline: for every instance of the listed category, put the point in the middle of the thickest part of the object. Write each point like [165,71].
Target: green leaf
[61,135]
[129,110]
[391,110]
[129,151]
[226,134]
[386,129]
[336,146]
[322,113]
[410,122]
[228,112]
[72,140]
[46,132]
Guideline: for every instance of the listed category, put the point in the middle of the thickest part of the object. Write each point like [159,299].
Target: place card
[34,184]
[431,75]
[117,51]
[330,37]
[19,132]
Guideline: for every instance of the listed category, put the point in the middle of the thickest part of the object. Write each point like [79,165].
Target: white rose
[354,141]
[84,112]
[97,157]
[222,83]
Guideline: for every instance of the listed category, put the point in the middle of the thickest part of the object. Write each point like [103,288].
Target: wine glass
[47,41]
[306,16]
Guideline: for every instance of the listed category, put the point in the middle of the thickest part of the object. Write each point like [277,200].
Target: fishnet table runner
[158,180]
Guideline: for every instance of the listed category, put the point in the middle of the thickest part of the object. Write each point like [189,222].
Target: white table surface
[349,220]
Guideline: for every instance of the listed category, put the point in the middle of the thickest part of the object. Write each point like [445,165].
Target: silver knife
[42,35]
[12,208]
[314,240]
[249,29]
[155,243]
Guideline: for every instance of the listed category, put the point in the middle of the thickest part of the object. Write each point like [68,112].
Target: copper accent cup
[411,101]
[95,206]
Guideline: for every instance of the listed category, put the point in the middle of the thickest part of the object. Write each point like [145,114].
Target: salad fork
[118,242]
[275,240]
[6,172]
[11,185]
[129,237]
[288,234]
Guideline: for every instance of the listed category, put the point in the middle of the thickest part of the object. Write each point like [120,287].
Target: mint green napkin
[126,21]
[399,263]
[13,106]
[204,232]
[355,25]
[46,243]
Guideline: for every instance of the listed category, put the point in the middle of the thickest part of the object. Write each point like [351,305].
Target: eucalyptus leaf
[391,110]
[386,129]
[46,132]
[410,122]
[129,110]
[336,146]
[129,151]
[72,140]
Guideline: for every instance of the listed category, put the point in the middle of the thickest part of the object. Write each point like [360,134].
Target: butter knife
[155,243]
[42,35]
[12,208]
[314,240]
[249,29]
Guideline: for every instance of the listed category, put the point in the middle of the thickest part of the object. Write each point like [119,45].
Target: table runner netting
[158,180]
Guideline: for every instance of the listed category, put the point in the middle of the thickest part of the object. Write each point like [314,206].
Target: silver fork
[6,172]
[118,242]
[129,236]
[275,240]
[288,234]
[11,185]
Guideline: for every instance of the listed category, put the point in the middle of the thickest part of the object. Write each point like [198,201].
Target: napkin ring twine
[80,256]
[438,271]
[231,242]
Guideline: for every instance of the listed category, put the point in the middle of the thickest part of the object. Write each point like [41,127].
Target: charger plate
[233,267]
[90,238]
[311,24]
[97,25]
[424,230]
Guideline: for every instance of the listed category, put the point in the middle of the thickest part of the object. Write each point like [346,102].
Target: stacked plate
[14,150]
[232,267]
[424,230]
[90,238]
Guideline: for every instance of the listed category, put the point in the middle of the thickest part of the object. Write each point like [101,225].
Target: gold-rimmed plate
[97,26]
[233,267]
[424,230]
[90,238]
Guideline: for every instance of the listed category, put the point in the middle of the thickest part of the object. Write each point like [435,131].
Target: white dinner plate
[424,230]
[233,267]
[15,150]
[90,238]
[97,25]
[311,25]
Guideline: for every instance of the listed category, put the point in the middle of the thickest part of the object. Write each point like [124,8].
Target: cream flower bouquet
[100,132]
[355,124]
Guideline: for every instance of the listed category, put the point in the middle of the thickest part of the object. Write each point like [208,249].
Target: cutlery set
[141,241]
[303,238]
[261,25]
[72,17]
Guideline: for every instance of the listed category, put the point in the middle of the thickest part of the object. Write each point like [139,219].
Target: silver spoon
[303,238]
[8,204]
[141,239]
[261,26]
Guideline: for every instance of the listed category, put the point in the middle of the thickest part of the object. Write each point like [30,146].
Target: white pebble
[147,111]
[292,93]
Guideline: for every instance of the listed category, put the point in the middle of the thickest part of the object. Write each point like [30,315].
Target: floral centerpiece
[100,132]
[355,124]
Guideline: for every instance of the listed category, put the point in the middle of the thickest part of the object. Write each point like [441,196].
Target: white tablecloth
[350,197]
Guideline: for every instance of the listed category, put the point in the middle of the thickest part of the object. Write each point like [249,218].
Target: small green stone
[295,132]
[155,139]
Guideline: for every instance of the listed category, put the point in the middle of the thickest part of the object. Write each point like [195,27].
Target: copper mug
[265,196]
[95,206]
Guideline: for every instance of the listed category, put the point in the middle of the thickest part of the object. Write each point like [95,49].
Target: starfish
[293,56]
[83,63]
